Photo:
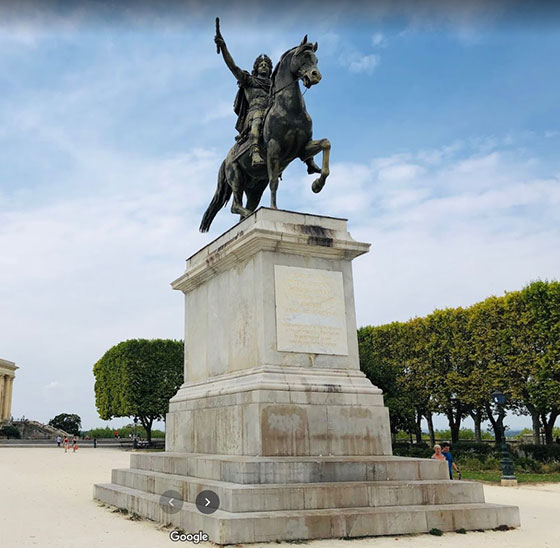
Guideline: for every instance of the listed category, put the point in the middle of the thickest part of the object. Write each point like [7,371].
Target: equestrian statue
[274,129]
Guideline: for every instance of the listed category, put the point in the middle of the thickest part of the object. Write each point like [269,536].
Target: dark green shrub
[10,431]
[527,464]
[542,453]
[472,449]
[551,467]
[420,450]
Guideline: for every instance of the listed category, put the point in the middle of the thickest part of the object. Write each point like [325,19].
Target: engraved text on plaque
[310,312]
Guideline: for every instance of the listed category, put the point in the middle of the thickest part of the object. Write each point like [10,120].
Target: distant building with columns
[7,375]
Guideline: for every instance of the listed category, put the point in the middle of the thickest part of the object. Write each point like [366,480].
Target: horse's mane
[306,46]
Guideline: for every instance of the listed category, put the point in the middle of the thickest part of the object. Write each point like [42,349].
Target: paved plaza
[46,500]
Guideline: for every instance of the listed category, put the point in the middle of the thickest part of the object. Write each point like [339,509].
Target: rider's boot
[256,158]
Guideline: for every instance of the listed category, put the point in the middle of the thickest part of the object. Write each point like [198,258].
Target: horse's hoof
[317,185]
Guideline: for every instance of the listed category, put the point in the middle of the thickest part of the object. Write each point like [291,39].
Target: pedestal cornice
[271,230]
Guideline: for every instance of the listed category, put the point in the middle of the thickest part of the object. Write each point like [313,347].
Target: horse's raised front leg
[312,148]
[235,177]
[273,167]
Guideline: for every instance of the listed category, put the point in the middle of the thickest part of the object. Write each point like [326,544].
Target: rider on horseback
[252,98]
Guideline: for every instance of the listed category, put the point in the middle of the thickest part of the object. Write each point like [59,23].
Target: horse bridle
[273,93]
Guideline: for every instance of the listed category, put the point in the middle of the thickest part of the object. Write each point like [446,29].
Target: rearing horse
[287,135]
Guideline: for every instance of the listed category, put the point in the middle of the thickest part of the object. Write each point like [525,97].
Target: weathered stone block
[275,415]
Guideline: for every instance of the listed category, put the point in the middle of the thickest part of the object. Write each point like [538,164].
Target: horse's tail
[220,199]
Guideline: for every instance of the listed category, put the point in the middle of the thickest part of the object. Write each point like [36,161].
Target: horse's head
[304,63]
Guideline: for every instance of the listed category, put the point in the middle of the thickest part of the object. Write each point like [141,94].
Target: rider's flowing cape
[241,105]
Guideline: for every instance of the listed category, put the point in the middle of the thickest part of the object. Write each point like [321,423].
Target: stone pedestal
[508,482]
[275,415]
[271,352]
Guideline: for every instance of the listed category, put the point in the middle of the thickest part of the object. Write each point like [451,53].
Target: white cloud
[449,227]
[378,40]
[363,63]
[398,173]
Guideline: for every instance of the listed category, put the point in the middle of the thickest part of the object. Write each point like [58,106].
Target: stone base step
[236,497]
[257,470]
[230,528]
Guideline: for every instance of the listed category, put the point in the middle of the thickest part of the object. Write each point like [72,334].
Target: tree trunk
[549,425]
[430,422]
[454,424]
[418,429]
[476,415]
[494,424]
[536,423]
[147,424]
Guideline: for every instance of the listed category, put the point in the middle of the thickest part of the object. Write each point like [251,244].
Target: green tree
[443,364]
[532,352]
[70,423]
[487,322]
[415,376]
[381,361]
[136,378]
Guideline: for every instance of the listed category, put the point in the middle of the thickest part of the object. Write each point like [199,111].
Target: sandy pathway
[46,500]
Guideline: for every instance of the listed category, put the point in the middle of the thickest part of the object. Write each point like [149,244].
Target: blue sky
[444,119]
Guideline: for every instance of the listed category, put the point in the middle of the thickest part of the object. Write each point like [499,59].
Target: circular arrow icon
[207,502]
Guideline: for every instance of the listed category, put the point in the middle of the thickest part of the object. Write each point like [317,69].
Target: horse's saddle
[243,144]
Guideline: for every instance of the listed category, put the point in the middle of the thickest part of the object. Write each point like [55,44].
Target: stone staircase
[266,498]
[35,430]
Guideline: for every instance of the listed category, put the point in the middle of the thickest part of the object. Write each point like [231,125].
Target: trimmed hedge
[540,453]
[124,432]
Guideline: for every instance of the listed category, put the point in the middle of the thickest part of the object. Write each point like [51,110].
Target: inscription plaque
[310,311]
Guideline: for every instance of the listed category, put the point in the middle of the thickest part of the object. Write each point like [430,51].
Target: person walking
[446,450]
[74,444]
[66,444]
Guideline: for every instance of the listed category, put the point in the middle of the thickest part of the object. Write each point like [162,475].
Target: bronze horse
[287,135]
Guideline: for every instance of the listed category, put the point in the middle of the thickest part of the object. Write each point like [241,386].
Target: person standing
[58,440]
[66,444]
[446,450]
[74,444]
[438,455]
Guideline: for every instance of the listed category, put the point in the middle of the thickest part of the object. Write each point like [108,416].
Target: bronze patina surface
[274,129]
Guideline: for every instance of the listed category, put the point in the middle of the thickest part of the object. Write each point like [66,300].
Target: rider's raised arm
[236,71]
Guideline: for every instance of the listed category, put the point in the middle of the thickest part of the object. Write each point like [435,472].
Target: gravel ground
[46,500]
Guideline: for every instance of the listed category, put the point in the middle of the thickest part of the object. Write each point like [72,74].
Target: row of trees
[136,378]
[451,360]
